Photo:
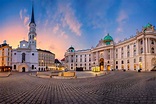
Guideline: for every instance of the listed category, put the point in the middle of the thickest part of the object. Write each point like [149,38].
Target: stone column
[146,43]
[97,57]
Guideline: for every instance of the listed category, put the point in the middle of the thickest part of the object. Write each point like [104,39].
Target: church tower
[32,32]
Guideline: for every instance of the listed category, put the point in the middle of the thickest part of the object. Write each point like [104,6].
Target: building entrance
[101,65]
[23,69]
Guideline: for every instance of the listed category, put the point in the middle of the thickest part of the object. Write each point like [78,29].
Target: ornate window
[122,62]
[128,54]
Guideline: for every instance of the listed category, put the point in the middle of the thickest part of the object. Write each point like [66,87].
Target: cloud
[122,16]
[24,16]
[121,20]
[26,20]
[20,13]
[69,18]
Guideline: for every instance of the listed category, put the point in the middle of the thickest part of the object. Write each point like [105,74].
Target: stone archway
[101,64]
[23,67]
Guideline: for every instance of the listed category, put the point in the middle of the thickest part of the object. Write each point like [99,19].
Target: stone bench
[68,74]
[44,74]
[5,74]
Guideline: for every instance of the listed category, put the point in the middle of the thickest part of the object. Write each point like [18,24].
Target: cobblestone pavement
[115,88]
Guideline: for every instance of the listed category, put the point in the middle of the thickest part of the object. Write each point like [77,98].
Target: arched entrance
[23,69]
[101,65]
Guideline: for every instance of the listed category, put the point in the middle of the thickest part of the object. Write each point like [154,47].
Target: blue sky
[80,23]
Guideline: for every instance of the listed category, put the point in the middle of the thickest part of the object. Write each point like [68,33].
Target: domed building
[135,53]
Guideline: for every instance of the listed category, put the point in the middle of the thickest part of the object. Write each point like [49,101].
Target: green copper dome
[108,38]
[148,25]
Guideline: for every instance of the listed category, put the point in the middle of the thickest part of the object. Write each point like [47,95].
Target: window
[71,67]
[76,55]
[85,59]
[116,55]
[141,42]
[116,62]
[14,53]
[108,62]
[80,64]
[14,66]
[134,60]
[140,59]
[33,54]
[128,54]
[152,50]
[23,57]
[122,62]
[134,52]
[152,41]
[76,64]
[122,48]
[127,61]
[141,50]
[134,45]
[32,66]
[128,47]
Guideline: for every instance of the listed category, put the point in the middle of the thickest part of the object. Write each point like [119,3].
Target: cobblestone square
[115,88]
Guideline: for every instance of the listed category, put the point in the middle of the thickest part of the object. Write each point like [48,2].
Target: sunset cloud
[70,19]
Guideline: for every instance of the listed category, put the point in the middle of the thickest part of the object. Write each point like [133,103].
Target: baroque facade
[137,52]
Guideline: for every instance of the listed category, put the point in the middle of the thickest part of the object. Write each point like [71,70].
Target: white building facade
[25,57]
[137,52]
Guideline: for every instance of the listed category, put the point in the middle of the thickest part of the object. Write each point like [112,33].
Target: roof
[63,59]
[108,38]
[32,16]
[45,51]
[2,45]
[71,47]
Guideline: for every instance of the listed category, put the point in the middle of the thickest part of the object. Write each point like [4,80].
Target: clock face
[23,45]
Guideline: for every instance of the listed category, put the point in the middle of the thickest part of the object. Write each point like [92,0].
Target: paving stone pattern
[115,88]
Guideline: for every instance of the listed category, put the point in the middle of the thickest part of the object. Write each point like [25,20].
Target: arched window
[23,57]
[152,50]
[30,37]
[122,62]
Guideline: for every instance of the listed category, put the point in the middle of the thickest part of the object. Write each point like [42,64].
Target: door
[23,69]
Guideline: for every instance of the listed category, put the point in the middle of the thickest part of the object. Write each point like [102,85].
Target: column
[97,58]
[146,45]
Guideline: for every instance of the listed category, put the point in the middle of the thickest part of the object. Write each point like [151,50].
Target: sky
[77,23]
